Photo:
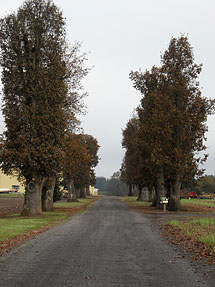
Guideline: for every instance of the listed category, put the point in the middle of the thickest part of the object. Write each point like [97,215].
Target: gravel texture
[107,245]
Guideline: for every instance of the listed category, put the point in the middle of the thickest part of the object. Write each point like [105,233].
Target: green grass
[15,225]
[129,198]
[200,228]
[205,202]
[204,221]
[175,223]
[81,202]
[208,240]
[9,195]
[132,201]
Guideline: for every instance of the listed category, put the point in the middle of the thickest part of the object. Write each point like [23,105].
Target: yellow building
[93,190]
[10,183]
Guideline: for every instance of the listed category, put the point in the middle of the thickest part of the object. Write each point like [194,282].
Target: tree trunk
[168,188]
[77,191]
[48,194]
[82,192]
[135,189]
[72,195]
[159,190]
[174,201]
[130,192]
[88,190]
[32,203]
[156,200]
[140,193]
[151,193]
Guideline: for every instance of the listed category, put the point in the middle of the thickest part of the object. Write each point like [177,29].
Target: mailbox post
[164,202]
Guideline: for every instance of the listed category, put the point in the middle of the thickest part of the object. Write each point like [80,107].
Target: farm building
[10,183]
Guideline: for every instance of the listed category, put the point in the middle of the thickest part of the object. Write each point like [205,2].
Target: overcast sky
[125,35]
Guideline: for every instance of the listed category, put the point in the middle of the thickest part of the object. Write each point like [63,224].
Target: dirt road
[107,245]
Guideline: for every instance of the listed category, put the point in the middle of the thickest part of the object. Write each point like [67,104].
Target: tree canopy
[172,121]
[41,77]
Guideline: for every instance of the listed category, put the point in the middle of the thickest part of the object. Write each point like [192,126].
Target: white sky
[125,35]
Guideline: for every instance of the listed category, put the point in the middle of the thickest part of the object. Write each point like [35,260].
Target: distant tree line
[113,186]
[204,185]
[163,140]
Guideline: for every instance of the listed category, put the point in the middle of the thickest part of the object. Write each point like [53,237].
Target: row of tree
[42,98]
[204,185]
[163,140]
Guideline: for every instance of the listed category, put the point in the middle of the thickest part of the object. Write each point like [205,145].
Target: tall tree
[134,168]
[173,117]
[80,157]
[75,157]
[154,127]
[40,76]
[86,175]
[189,111]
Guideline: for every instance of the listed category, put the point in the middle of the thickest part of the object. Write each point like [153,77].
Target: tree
[133,169]
[154,128]
[189,111]
[206,184]
[80,157]
[41,79]
[172,117]
[75,157]
[86,175]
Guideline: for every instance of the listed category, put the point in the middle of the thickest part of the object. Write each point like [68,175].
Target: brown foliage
[171,120]
[41,78]
[80,157]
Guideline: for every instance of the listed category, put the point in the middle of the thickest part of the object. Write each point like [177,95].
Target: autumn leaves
[42,97]
[165,137]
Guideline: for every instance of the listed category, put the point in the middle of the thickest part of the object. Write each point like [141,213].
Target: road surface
[107,245]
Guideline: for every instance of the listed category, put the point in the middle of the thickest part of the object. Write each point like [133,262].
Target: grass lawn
[11,195]
[132,201]
[15,225]
[81,202]
[205,202]
[200,228]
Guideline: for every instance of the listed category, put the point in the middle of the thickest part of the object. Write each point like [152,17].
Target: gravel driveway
[107,245]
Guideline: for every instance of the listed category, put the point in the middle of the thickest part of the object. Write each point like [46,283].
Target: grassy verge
[192,205]
[201,229]
[132,201]
[15,225]
[15,228]
[11,195]
[196,201]
[81,202]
